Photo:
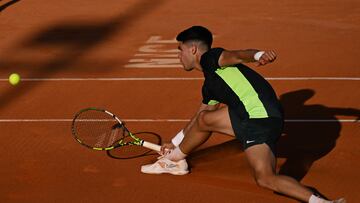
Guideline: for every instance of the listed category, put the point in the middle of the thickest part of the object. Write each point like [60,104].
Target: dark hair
[196,33]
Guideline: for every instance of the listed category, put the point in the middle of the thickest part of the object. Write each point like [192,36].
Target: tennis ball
[14,79]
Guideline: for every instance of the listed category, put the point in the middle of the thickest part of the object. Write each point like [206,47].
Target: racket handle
[152,146]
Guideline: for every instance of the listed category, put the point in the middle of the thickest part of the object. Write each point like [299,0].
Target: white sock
[178,138]
[315,199]
[176,155]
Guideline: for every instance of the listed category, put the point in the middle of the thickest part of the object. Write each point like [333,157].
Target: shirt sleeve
[210,60]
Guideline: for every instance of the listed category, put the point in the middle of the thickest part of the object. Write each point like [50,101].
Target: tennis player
[251,112]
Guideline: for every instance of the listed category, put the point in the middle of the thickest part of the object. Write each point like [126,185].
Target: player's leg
[263,161]
[207,122]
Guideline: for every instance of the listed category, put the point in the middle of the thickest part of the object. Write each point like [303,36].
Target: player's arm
[176,140]
[231,57]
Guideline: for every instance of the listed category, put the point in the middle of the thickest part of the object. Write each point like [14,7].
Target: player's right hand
[267,57]
[166,147]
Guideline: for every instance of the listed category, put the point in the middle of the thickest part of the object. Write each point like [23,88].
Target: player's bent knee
[203,121]
[266,181]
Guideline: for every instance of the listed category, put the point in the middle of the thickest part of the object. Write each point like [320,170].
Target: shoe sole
[161,172]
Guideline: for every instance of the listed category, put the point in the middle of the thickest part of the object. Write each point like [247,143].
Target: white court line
[181,120]
[101,79]
[176,79]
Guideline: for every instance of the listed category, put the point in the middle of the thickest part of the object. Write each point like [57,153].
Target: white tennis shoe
[164,165]
[341,200]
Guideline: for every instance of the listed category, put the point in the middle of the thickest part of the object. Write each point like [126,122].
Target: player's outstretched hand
[267,57]
[166,148]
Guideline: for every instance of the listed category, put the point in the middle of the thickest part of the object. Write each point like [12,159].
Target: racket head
[100,129]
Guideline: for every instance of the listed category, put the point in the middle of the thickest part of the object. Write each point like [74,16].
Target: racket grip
[152,146]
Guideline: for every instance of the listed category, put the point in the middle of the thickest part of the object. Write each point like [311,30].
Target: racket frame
[137,141]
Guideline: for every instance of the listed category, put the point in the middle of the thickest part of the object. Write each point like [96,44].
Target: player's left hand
[166,148]
[268,57]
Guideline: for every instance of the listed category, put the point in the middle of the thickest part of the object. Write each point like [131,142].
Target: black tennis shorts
[256,131]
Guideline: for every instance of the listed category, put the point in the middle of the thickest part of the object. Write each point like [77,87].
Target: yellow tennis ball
[14,79]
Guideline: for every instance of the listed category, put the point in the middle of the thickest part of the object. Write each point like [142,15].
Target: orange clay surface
[59,40]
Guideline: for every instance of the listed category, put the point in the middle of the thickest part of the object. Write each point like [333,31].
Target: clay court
[122,56]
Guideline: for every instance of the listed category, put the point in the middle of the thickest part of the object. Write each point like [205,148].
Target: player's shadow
[215,152]
[132,151]
[71,41]
[6,5]
[303,143]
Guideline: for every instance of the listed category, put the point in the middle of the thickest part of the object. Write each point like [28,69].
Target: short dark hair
[196,33]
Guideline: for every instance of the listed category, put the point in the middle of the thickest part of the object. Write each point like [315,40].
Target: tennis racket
[100,129]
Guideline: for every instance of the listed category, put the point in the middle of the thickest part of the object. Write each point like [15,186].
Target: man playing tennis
[251,112]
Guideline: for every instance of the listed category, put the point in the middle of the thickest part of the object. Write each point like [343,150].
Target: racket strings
[98,129]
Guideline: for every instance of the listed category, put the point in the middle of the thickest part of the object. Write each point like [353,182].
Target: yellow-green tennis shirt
[239,87]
